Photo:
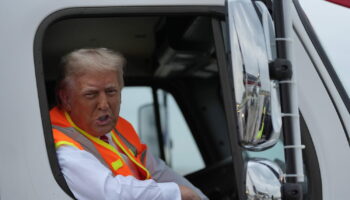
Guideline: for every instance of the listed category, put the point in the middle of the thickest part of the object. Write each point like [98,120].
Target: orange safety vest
[65,132]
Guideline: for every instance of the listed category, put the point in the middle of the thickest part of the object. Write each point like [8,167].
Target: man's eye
[90,95]
[111,92]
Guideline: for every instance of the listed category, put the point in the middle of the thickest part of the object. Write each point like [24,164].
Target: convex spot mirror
[264,180]
[257,104]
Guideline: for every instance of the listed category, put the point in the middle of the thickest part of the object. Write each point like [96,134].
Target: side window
[178,144]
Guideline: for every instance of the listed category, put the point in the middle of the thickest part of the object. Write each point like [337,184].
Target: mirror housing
[258,107]
[148,131]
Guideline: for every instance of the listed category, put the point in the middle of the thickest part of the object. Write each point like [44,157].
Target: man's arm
[87,178]
[162,173]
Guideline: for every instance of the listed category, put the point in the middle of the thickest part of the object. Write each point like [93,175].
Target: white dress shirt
[89,179]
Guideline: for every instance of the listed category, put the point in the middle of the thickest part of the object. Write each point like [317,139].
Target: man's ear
[65,100]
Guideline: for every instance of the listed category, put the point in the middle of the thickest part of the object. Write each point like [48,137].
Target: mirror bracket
[280,69]
[292,191]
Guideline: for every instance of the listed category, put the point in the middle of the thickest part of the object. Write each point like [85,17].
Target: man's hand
[188,194]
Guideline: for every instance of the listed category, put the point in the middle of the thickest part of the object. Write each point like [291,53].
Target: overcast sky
[332,25]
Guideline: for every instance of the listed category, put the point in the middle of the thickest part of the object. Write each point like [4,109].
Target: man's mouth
[104,119]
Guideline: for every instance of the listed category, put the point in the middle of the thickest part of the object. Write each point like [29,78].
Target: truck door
[170,58]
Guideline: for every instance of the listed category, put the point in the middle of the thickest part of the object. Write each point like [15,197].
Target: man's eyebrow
[112,86]
[88,89]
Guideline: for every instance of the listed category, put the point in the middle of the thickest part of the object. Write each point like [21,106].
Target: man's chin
[102,130]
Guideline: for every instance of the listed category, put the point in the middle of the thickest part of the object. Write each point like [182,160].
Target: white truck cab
[237,95]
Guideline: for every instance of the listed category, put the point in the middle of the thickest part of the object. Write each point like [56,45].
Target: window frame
[113,11]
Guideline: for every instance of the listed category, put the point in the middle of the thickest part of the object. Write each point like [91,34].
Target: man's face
[93,101]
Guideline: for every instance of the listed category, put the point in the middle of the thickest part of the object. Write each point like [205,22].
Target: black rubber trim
[287,127]
[226,80]
[324,85]
[312,167]
[217,11]
[131,11]
[156,111]
[321,52]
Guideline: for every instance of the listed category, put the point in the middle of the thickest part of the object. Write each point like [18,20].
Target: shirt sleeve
[162,173]
[88,179]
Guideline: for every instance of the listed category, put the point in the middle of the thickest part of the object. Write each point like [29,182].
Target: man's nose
[103,102]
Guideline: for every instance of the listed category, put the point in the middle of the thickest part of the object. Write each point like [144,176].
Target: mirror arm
[280,69]
[284,92]
[292,189]
[158,123]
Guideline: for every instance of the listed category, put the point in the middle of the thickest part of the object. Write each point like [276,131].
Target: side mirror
[148,129]
[149,134]
[264,180]
[258,107]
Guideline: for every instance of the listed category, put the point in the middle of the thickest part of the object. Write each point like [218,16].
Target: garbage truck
[239,96]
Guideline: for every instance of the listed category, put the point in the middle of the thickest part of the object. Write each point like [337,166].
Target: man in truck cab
[99,152]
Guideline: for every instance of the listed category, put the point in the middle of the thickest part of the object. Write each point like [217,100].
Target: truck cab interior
[172,53]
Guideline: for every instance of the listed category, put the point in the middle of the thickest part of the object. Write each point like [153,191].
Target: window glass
[131,102]
[186,157]
[182,153]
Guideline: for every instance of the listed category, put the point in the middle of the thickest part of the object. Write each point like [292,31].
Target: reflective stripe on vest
[112,158]
[132,157]
[83,141]
[131,147]
[100,142]
[126,142]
